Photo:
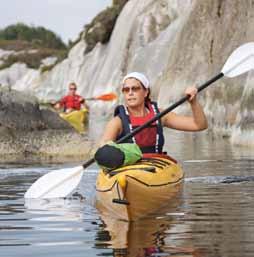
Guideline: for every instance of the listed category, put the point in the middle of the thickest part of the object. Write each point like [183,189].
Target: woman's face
[134,93]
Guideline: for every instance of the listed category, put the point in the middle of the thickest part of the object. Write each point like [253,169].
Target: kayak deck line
[156,185]
[137,166]
[149,166]
[108,189]
[149,162]
[140,181]
[147,169]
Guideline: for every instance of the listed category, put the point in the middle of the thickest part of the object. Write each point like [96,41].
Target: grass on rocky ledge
[17,45]
[29,53]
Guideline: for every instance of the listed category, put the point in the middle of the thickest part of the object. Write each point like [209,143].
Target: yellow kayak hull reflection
[131,192]
[77,119]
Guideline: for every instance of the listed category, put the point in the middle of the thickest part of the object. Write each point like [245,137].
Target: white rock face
[9,76]
[176,43]
[142,33]
[48,61]
[12,74]
[4,54]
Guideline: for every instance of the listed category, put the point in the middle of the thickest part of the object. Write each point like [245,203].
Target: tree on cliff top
[37,35]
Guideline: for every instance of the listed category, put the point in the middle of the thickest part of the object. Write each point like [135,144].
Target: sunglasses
[134,89]
[73,88]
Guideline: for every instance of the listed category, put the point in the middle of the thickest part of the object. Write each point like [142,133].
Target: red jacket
[150,139]
[148,136]
[72,102]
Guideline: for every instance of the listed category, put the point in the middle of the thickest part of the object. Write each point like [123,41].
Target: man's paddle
[105,97]
[61,183]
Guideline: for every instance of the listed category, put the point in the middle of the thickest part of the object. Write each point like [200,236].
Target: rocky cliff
[176,43]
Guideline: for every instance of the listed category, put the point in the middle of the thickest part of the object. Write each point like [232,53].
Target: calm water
[214,216]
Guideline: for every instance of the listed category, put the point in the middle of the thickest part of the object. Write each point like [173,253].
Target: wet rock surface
[27,130]
[21,111]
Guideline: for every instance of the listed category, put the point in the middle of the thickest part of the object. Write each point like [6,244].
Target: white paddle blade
[56,184]
[240,61]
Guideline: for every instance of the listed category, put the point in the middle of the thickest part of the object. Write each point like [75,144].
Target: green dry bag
[112,155]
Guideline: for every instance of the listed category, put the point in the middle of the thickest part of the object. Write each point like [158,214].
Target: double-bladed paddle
[63,182]
[105,97]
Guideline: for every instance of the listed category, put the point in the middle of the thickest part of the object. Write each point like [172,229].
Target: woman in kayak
[139,109]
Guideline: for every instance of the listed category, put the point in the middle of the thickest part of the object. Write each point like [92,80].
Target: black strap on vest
[122,112]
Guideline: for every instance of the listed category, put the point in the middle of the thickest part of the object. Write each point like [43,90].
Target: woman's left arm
[196,122]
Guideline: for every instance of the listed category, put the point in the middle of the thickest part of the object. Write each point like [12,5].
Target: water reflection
[143,238]
[58,209]
[149,236]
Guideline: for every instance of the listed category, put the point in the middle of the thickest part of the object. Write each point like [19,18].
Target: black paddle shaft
[159,115]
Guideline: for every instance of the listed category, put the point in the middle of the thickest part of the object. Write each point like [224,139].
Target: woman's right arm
[111,131]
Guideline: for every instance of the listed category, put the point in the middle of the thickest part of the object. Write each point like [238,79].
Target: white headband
[139,76]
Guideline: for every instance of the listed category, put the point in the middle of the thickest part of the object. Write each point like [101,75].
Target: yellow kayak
[77,119]
[133,191]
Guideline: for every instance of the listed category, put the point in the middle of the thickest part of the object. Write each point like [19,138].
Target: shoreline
[45,146]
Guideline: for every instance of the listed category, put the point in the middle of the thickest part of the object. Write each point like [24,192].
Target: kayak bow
[76,119]
[133,191]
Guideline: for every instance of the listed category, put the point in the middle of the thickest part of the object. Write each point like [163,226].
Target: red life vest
[71,102]
[150,139]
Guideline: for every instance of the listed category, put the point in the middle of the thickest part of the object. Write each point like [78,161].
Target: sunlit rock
[9,76]
[48,61]
[5,53]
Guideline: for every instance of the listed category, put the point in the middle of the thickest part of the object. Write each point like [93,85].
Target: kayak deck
[133,191]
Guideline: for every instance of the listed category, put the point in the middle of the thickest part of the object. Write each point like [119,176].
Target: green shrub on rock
[38,36]
[101,27]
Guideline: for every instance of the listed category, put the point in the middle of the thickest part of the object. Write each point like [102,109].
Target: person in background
[71,101]
[138,109]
